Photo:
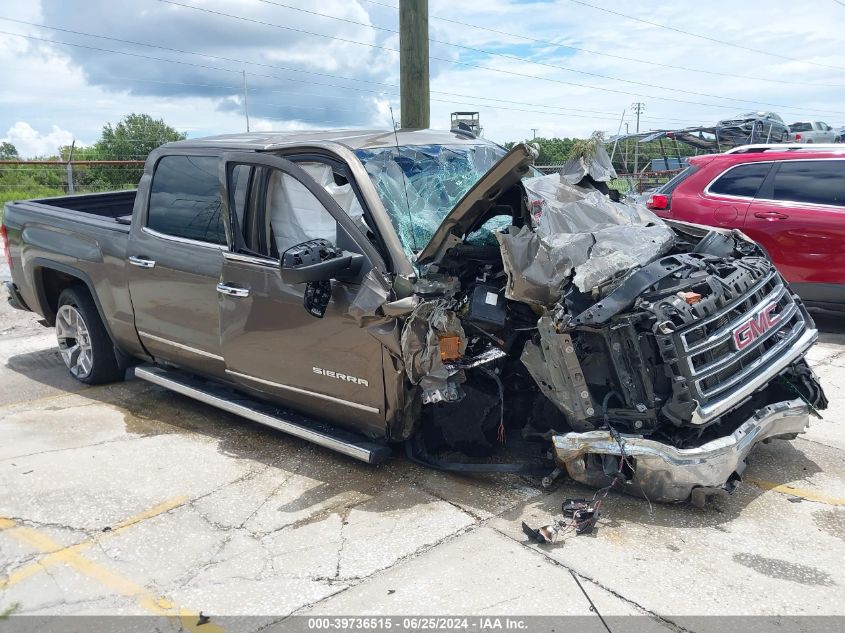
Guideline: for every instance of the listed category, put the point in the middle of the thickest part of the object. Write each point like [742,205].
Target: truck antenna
[404,183]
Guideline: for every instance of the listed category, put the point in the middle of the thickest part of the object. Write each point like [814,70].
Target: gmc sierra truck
[367,289]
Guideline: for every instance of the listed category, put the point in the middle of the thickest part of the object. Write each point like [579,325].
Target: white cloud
[30,142]
[48,85]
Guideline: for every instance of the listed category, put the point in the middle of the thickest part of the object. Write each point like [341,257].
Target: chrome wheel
[74,341]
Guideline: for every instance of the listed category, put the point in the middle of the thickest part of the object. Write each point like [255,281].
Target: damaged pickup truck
[367,289]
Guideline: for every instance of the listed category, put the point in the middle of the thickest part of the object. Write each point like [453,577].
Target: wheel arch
[51,278]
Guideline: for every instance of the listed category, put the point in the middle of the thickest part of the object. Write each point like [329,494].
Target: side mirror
[319,260]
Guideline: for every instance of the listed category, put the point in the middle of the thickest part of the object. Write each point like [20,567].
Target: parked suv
[790,199]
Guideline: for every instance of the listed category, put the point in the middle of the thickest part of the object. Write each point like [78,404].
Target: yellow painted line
[113,581]
[809,495]
[61,554]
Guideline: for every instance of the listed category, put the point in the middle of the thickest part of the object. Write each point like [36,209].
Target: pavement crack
[128,438]
[655,616]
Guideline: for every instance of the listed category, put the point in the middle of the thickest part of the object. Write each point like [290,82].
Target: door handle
[771,215]
[141,262]
[232,291]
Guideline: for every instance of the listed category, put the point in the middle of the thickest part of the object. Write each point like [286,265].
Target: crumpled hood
[576,231]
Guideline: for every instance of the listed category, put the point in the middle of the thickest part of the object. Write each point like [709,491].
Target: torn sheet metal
[555,368]
[420,344]
[538,265]
[581,231]
[366,307]
[598,167]
[661,472]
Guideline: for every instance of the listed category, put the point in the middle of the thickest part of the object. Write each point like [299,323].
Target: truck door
[799,217]
[176,255]
[273,340]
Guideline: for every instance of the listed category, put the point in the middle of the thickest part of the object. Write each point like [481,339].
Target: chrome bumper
[669,474]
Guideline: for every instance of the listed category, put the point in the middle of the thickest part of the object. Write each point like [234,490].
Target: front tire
[84,344]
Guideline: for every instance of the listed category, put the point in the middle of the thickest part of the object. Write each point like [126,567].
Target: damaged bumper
[664,473]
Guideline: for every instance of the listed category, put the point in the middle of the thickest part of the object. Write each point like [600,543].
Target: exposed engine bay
[631,345]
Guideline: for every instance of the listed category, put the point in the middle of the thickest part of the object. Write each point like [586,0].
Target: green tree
[8,151]
[552,150]
[135,136]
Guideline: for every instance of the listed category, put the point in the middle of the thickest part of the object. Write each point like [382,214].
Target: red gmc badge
[755,327]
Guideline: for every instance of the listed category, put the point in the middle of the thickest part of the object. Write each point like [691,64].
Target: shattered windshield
[435,177]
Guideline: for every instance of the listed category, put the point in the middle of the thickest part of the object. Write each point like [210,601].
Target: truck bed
[115,205]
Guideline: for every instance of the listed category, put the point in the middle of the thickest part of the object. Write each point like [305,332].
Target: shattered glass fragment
[434,178]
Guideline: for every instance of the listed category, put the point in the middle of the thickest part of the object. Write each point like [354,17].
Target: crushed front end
[650,355]
[688,363]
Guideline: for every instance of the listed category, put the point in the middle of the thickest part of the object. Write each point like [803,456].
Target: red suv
[789,199]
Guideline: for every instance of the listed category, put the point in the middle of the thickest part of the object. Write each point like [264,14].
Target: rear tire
[84,343]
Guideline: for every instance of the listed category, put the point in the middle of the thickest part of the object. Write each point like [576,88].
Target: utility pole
[69,168]
[534,131]
[246,107]
[413,64]
[638,107]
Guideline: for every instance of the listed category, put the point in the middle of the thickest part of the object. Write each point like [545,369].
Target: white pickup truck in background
[811,132]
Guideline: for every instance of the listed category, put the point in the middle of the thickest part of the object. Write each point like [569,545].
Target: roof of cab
[353,139]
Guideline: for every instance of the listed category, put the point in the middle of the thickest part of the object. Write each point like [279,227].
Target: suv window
[677,179]
[814,181]
[185,199]
[742,180]
[800,127]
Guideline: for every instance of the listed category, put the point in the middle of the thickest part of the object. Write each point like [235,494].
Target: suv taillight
[8,251]
[658,201]
[797,137]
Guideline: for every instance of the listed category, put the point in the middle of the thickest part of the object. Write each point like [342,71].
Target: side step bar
[278,418]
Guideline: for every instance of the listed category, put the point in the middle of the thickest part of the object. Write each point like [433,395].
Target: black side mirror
[315,263]
[319,260]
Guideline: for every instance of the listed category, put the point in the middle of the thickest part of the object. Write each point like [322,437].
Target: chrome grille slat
[692,349]
[714,367]
[717,374]
[794,333]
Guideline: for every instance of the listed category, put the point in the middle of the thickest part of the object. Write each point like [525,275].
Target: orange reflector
[690,297]
[450,347]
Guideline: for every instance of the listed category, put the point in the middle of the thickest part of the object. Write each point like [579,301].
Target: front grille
[708,356]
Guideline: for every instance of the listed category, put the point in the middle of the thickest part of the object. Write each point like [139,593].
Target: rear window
[813,181]
[800,127]
[677,179]
[185,199]
[742,180]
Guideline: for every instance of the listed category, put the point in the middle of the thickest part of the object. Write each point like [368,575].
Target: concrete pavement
[127,499]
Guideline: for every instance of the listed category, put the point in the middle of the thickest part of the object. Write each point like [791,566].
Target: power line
[498,70]
[185,52]
[648,62]
[703,37]
[533,61]
[240,61]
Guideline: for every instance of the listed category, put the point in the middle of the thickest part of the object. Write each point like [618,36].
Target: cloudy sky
[564,67]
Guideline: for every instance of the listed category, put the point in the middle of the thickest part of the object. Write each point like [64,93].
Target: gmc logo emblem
[755,327]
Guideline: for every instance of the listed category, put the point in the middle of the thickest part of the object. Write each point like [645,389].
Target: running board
[285,420]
